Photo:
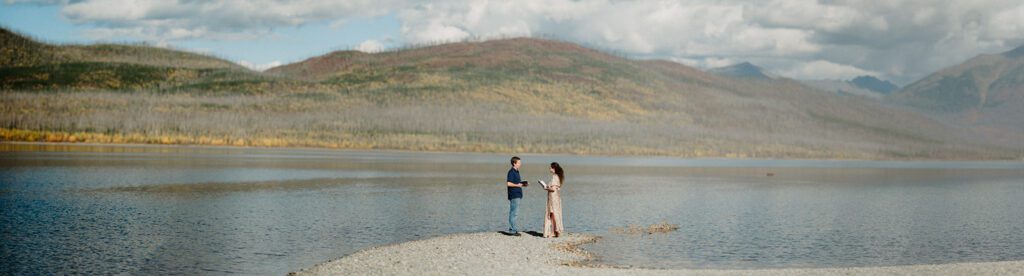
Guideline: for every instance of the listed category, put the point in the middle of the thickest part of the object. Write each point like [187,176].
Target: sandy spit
[496,254]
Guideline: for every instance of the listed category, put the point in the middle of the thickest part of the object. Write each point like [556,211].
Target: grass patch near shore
[573,247]
[633,229]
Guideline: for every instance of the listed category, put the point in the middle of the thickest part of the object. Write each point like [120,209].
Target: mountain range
[985,91]
[508,95]
[874,84]
[864,86]
[742,70]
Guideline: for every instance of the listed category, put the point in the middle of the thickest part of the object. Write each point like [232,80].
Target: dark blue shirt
[513,176]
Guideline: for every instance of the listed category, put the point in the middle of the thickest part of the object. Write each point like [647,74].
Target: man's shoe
[516,234]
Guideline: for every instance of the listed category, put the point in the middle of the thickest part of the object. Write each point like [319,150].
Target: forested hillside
[509,95]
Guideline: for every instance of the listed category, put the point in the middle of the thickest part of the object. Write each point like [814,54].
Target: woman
[553,217]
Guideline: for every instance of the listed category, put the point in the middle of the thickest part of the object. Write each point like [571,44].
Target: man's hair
[514,159]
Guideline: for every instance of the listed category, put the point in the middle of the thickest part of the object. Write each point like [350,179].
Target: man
[514,184]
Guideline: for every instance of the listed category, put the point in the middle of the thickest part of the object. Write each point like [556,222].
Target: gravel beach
[496,254]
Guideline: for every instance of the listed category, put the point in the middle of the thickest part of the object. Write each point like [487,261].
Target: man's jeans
[513,210]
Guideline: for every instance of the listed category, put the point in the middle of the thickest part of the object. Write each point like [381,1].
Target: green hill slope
[26,64]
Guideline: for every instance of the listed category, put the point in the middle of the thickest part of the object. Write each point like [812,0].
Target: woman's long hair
[559,172]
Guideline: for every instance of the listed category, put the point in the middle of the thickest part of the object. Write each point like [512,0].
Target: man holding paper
[514,185]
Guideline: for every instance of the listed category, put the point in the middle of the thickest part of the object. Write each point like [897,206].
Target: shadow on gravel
[534,233]
[531,233]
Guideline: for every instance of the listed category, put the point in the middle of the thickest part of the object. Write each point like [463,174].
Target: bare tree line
[335,121]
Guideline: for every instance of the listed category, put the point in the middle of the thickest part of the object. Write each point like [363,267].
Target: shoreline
[493,253]
[356,149]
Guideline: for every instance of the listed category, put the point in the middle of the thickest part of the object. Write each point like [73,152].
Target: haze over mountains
[874,84]
[864,86]
[742,70]
[987,91]
[509,95]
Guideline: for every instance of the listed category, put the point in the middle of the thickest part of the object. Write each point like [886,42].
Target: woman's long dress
[553,218]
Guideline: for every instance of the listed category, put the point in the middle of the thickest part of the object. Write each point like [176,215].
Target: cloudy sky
[807,39]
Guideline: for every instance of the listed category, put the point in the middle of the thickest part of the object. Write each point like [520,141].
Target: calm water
[184,210]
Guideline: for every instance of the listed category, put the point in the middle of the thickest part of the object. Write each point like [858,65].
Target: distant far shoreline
[145,144]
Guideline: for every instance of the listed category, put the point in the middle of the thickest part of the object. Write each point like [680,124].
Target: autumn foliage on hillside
[508,95]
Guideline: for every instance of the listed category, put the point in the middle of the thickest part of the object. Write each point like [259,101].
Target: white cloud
[434,32]
[685,61]
[717,62]
[899,40]
[776,42]
[825,70]
[37,2]
[370,46]
[1006,23]
[222,20]
[112,10]
[902,39]
[259,67]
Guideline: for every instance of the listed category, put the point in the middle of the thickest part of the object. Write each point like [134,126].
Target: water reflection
[841,224]
[184,210]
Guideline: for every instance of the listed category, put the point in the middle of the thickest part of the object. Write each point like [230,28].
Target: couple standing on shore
[553,216]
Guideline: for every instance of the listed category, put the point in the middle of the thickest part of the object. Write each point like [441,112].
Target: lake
[186,210]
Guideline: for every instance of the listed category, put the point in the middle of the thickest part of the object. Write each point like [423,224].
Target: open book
[543,184]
